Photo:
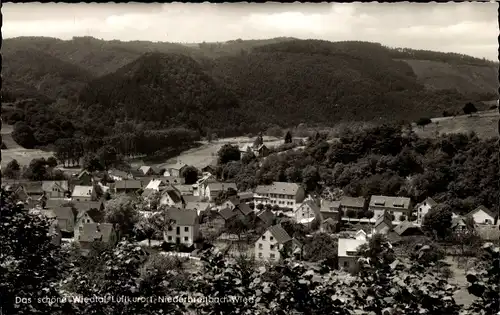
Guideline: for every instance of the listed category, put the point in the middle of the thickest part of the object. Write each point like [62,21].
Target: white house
[398,206]
[284,195]
[423,208]
[307,212]
[83,193]
[184,227]
[347,250]
[171,197]
[482,215]
[268,246]
[55,188]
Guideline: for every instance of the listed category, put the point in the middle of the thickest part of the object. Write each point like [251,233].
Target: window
[260,246]
[186,238]
[170,228]
[260,255]
[178,230]
[80,228]
[170,238]
[271,238]
[346,264]
[186,229]
[263,237]
[272,256]
[271,247]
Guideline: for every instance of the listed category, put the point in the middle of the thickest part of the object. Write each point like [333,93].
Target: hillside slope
[32,69]
[466,79]
[322,82]
[166,89]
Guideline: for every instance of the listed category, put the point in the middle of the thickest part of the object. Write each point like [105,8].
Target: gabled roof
[282,188]
[182,216]
[199,206]
[174,194]
[457,221]
[390,202]
[430,201]
[355,202]
[385,217]
[311,204]
[245,195]
[214,186]
[54,203]
[33,187]
[227,213]
[244,208]
[483,208]
[183,188]
[329,206]
[96,214]
[145,169]
[82,191]
[84,172]
[348,245]
[404,226]
[47,185]
[191,198]
[279,233]
[64,213]
[177,166]
[95,231]
[267,216]
[128,184]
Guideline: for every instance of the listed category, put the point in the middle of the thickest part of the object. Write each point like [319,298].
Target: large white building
[184,227]
[423,208]
[284,195]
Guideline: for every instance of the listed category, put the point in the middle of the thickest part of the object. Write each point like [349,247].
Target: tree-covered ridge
[168,89]
[322,82]
[48,75]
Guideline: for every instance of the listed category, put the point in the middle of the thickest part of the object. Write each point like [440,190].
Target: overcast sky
[470,28]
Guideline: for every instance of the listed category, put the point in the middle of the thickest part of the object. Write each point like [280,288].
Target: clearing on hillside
[484,124]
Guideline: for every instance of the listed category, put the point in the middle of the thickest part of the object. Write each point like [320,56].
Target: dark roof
[33,187]
[54,203]
[386,217]
[330,206]
[390,202]
[87,205]
[227,213]
[284,188]
[406,227]
[128,184]
[182,216]
[355,202]
[174,194]
[244,208]
[96,231]
[47,185]
[191,198]
[267,216]
[97,215]
[221,186]
[481,207]
[279,234]
[65,213]
[84,172]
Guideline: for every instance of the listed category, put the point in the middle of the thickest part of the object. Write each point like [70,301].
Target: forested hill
[322,82]
[164,89]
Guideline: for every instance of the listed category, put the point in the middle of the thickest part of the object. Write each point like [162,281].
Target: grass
[17,152]
[484,124]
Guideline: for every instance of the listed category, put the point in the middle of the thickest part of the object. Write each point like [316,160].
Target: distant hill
[165,89]
[34,72]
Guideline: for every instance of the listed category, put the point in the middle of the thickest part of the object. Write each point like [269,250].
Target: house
[117,175]
[92,232]
[92,215]
[347,251]
[184,227]
[268,246]
[246,196]
[149,193]
[329,226]
[265,218]
[186,190]
[458,224]
[85,178]
[198,206]
[213,189]
[285,195]
[383,225]
[175,170]
[230,203]
[128,186]
[55,188]
[423,208]
[357,204]
[261,151]
[329,210]
[211,167]
[307,212]
[407,228]
[172,198]
[482,215]
[65,217]
[147,170]
[83,193]
[399,207]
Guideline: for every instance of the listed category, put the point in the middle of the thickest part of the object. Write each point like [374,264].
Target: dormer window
[379,203]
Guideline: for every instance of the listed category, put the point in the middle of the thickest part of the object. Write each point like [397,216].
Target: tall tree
[288,137]
[12,170]
[438,221]
[122,211]
[469,109]
[190,175]
[228,153]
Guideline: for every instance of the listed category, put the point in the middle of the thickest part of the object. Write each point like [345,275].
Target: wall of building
[263,249]
[171,236]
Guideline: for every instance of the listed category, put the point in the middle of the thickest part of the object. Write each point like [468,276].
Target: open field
[484,124]
[15,151]
[201,156]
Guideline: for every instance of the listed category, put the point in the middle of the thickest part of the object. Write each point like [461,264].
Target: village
[259,223]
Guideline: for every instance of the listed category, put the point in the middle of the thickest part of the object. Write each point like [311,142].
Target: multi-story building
[399,207]
[268,246]
[284,195]
[423,208]
[184,227]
